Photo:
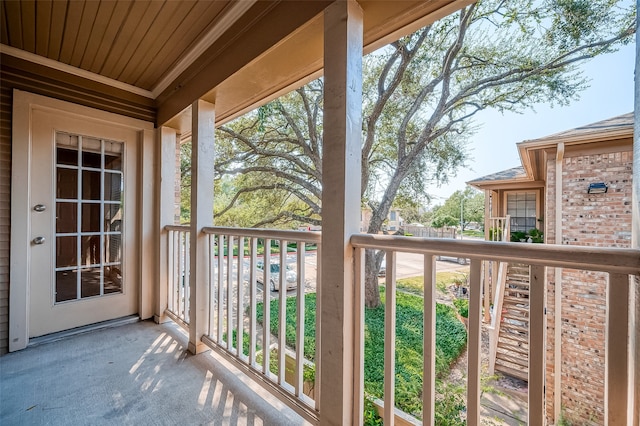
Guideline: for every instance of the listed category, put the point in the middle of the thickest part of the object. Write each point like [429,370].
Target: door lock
[39,207]
[38,240]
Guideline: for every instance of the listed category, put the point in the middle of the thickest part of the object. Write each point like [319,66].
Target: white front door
[83,209]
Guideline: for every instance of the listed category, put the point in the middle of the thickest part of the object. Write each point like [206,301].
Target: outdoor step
[512,301]
[514,339]
[520,284]
[515,299]
[515,275]
[513,349]
[515,315]
[515,360]
[522,375]
[518,277]
[512,361]
[517,337]
[517,281]
[517,293]
[506,327]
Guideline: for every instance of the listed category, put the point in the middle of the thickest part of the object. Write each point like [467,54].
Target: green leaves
[451,339]
[467,205]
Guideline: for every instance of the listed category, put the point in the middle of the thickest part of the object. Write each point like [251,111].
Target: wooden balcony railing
[237,285]
[178,264]
[235,294]
[619,264]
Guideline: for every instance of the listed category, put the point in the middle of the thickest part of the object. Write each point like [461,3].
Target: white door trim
[23,105]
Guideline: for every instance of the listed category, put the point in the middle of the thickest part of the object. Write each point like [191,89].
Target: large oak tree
[420,95]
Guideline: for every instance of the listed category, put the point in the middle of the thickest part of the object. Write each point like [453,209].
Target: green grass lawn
[473,233]
[451,339]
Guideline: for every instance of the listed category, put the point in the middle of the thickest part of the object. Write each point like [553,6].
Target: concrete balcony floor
[138,374]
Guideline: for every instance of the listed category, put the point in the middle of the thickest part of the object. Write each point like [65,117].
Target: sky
[493,147]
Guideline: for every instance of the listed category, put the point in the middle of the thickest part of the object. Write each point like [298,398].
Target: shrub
[451,339]
[462,305]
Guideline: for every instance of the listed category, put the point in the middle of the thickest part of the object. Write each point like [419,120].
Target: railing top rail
[176,228]
[274,234]
[578,257]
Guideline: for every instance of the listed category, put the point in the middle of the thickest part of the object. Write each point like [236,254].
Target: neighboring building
[393,223]
[574,187]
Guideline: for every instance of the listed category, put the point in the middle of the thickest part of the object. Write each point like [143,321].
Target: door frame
[20,254]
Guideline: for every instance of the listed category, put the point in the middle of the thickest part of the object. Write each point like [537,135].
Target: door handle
[39,207]
[38,240]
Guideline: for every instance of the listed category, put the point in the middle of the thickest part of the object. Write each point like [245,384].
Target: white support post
[616,350]
[341,169]
[634,358]
[429,342]
[537,328]
[166,175]
[202,158]
[358,415]
[475,341]
[148,219]
[557,303]
[486,284]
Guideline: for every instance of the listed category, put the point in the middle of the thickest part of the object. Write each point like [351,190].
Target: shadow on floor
[133,374]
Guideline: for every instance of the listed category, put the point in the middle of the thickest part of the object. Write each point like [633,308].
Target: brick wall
[600,220]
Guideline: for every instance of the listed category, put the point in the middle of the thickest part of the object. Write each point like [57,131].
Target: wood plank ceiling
[135,42]
[237,54]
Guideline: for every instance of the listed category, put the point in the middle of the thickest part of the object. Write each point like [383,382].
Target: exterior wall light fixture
[597,188]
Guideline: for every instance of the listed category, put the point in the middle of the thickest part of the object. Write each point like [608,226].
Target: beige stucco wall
[5,212]
[601,220]
[73,90]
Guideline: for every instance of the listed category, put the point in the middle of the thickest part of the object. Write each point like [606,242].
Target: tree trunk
[372,262]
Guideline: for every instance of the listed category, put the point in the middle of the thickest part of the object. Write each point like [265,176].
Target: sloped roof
[515,173]
[612,128]
[621,122]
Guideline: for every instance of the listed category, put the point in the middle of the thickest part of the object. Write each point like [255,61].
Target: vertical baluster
[220,328]
[429,343]
[170,270]
[318,360]
[358,406]
[252,301]
[186,289]
[390,340]
[266,302]
[181,277]
[617,351]
[300,314]
[537,289]
[282,311]
[240,301]
[176,271]
[473,365]
[212,284]
[229,285]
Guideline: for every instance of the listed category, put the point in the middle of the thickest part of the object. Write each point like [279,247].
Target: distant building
[394,220]
[575,188]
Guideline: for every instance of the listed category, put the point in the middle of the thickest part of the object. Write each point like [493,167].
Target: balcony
[140,371]
[232,311]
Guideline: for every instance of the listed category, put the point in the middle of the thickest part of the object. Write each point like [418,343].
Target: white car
[274,284]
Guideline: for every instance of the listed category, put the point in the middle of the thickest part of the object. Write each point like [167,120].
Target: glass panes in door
[88,229]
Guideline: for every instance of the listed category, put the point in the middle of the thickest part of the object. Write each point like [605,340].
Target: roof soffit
[165,51]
